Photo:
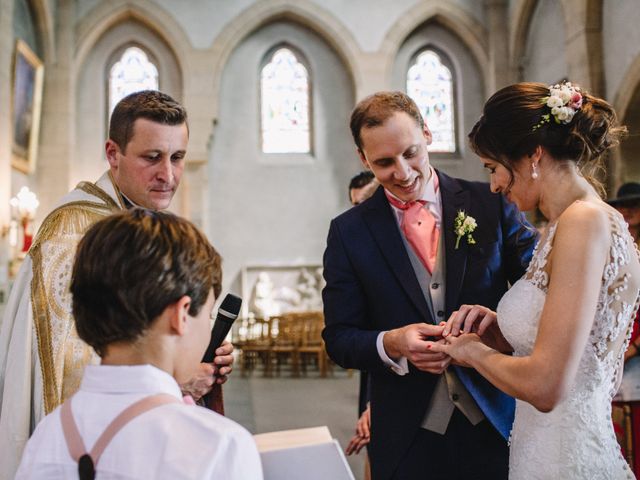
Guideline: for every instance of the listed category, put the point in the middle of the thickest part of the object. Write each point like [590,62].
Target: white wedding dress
[576,439]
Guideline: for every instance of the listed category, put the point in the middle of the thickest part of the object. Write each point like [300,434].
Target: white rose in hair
[565,114]
[570,113]
[554,101]
[565,95]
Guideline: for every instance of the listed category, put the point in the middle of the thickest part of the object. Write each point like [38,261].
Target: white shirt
[174,441]
[434,205]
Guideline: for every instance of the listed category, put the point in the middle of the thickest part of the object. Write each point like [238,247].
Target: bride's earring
[534,171]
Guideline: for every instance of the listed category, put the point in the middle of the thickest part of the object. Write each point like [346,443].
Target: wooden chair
[286,332]
[254,344]
[312,349]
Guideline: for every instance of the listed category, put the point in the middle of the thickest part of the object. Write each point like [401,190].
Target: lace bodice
[576,439]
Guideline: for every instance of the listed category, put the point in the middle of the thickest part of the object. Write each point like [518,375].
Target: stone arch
[626,103]
[594,44]
[520,21]
[106,30]
[470,32]
[106,15]
[304,13]
[626,90]
[45,25]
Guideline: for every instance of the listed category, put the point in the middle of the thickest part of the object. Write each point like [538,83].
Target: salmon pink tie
[419,228]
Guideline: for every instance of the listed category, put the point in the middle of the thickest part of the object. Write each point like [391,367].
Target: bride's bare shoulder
[584,223]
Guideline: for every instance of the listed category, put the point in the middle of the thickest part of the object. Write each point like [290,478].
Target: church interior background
[269,86]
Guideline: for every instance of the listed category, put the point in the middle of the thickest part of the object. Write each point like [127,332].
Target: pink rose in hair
[576,101]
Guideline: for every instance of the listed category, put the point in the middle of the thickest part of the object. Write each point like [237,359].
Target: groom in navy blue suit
[383,303]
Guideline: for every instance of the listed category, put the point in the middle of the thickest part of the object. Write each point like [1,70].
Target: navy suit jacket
[372,287]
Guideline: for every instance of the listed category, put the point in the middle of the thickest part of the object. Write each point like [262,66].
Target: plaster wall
[621,41]
[275,208]
[468,93]
[205,19]
[544,59]
[92,100]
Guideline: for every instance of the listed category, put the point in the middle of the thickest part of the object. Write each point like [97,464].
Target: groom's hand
[414,342]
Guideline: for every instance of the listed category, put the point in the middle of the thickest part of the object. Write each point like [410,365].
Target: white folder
[307,453]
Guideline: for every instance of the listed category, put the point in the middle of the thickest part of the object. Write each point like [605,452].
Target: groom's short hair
[375,109]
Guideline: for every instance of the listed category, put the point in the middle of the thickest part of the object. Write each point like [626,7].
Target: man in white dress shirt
[143,285]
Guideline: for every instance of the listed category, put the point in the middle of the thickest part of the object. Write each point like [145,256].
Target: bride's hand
[469,318]
[480,320]
[458,348]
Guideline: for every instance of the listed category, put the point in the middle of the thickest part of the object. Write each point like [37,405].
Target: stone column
[583,24]
[375,70]
[6,133]
[202,107]
[6,62]
[57,134]
[497,23]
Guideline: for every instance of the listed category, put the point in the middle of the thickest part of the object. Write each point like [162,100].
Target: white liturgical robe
[173,441]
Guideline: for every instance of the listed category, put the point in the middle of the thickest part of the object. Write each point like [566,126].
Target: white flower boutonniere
[464,225]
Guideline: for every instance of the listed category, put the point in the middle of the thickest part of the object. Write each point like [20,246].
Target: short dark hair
[130,266]
[505,132]
[361,179]
[150,104]
[375,109]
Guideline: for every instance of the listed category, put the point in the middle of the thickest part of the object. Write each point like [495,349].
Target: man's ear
[178,314]
[112,149]
[363,159]
[427,134]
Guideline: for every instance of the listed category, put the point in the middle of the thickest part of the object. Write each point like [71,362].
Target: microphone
[227,313]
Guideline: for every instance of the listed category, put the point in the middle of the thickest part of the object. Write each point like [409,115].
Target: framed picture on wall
[26,99]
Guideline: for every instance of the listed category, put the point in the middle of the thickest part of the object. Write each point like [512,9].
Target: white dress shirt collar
[128,379]
[429,195]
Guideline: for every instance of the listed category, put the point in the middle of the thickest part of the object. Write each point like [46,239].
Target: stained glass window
[132,73]
[284,88]
[430,84]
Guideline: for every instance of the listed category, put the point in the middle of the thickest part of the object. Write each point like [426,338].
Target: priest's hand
[207,373]
[223,361]
[200,382]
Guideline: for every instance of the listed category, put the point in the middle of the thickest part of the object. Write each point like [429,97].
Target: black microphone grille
[230,306]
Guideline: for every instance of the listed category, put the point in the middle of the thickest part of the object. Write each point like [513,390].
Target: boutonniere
[464,225]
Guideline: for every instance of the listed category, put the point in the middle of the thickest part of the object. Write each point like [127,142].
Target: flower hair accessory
[464,225]
[564,101]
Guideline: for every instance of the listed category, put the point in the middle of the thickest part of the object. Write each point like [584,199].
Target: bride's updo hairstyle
[517,119]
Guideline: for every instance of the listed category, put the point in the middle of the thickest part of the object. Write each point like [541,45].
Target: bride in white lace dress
[558,339]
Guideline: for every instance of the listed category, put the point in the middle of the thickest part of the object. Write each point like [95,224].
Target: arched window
[132,73]
[284,93]
[430,84]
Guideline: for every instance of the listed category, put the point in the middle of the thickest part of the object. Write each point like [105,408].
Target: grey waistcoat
[449,392]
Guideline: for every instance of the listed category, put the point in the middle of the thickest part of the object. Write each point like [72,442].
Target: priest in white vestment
[41,357]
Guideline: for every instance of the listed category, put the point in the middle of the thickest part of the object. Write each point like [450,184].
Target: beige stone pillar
[201,104]
[6,51]
[375,70]
[6,61]
[57,132]
[583,24]
[497,22]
